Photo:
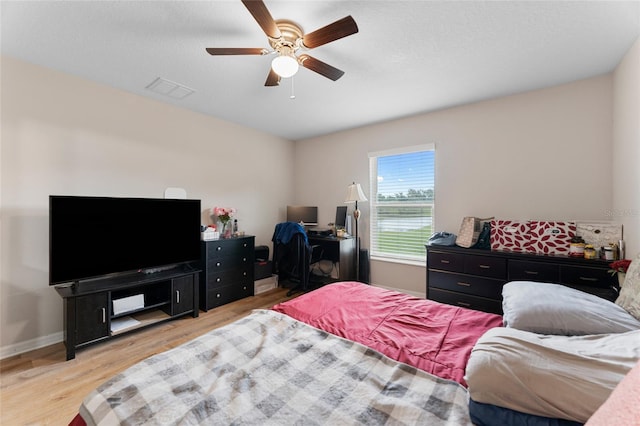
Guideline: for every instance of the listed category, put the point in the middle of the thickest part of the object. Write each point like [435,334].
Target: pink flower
[224,214]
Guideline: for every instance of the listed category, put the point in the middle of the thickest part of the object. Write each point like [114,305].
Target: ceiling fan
[286,39]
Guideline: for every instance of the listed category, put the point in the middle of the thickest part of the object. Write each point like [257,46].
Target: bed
[559,357]
[361,355]
[349,353]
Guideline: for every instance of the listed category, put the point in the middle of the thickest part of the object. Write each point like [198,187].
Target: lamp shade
[354,194]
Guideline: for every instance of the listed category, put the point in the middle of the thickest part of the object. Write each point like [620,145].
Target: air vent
[169,88]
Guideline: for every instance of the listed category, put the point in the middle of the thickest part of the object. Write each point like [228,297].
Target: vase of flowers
[620,267]
[224,215]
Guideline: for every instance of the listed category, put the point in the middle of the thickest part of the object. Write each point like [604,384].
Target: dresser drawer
[465,301]
[476,286]
[227,277]
[231,246]
[445,261]
[486,266]
[586,276]
[222,263]
[533,271]
[223,295]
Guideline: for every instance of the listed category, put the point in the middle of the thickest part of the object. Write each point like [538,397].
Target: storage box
[550,237]
[209,234]
[265,284]
[262,269]
[128,304]
[509,235]
[261,253]
[599,234]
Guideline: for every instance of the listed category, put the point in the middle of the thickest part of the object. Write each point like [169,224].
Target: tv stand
[89,315]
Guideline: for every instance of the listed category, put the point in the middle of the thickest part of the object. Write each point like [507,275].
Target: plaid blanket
[269,369]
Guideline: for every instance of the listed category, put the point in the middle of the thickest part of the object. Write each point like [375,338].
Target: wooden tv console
[89,310]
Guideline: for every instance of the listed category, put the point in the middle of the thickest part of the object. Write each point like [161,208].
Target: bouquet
[619,266]
[224,214]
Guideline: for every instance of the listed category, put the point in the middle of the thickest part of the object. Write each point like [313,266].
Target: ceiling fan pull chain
[293,95]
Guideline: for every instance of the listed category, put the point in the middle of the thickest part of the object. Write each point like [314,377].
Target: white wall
[64,135]
[626,148]
[544,154]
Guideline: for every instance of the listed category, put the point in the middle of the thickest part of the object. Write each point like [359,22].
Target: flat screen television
[307,215]
[93,237]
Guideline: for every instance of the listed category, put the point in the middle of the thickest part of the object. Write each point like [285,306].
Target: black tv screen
[90,237]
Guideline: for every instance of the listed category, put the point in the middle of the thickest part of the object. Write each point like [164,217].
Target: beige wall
[549,154]
[626,148]
[64,135]
[545,155]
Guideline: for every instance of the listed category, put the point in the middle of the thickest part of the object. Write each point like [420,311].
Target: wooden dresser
[474,278]
[227,271]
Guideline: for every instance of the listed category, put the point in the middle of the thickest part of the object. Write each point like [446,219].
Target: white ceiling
[409,57]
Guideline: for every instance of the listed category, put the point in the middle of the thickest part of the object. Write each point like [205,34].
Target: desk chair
[293,256]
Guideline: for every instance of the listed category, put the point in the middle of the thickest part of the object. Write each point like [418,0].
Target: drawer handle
[245,244]
[444,261]
[588,279]
[466,305]
[244,259]
[244,273]
[244,288]
[218,263]
[218,248]
[218,295]
[218,280]
[484,266]
[463,284]
[531,272]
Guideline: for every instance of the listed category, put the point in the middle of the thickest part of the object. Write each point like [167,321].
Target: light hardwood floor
[41,388]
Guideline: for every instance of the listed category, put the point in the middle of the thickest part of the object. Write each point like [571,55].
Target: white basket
[265,284]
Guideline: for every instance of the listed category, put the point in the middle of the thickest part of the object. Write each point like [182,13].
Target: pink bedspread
[429,335]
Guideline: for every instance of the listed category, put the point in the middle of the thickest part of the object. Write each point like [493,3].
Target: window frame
[373,197]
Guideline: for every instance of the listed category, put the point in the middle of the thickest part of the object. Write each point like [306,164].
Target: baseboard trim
[30,345]
[41,342]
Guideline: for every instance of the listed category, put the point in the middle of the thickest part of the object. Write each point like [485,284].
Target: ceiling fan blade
[236,51]
[337,30]
[320,67]
[273,79]
[261,14]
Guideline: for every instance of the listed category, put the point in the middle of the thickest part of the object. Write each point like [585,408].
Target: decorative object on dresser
[224,215]
[227,271]
[355,194]
[470,229]
[550,237]
[474,278]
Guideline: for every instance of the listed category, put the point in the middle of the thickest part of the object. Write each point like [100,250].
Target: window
[402,202]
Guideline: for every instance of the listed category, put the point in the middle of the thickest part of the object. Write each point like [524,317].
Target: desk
[340,250]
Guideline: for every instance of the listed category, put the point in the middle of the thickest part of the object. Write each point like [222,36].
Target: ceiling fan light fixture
[285,66]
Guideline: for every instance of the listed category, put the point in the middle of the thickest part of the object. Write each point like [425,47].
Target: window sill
[400,261]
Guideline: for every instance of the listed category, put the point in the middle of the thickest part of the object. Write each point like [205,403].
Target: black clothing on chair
[292,255]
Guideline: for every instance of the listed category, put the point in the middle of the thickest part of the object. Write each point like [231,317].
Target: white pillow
[546,308]
[629,297]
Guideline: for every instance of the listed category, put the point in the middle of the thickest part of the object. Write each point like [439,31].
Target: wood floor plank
[42,388]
